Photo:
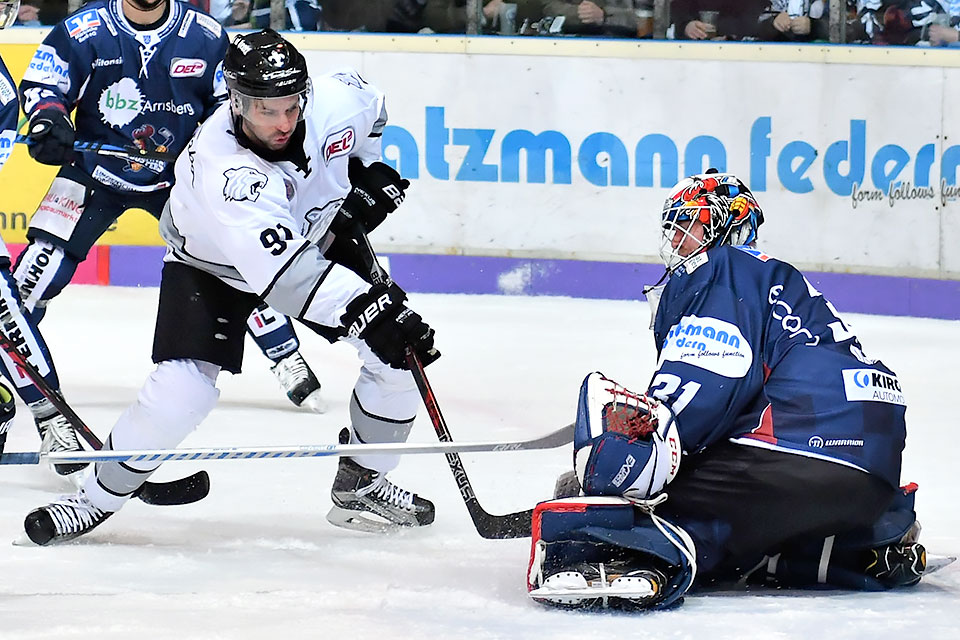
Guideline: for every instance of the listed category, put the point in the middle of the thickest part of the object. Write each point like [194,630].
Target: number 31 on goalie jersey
[665,385]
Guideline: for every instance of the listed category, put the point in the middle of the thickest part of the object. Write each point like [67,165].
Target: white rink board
[763,121]
[766,110]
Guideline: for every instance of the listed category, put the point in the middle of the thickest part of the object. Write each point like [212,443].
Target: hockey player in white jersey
[141,73]
[260,193]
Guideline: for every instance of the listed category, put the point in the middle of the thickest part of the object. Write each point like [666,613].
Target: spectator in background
[239,16]
[450,16]
[581,17]
[351,15]
[28,15]
[736,19]
[795,20]
[222,10]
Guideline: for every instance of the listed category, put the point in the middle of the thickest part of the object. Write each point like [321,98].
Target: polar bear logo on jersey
[244,183]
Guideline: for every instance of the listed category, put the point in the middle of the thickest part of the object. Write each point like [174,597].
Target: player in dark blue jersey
[54,429]
[140,73]
[766,448]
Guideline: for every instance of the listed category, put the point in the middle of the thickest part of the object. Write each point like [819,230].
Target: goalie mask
[8,13]
[704,211]
[262,67]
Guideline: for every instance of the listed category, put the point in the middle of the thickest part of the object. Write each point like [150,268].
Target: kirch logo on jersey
[244,183]
[338,144]
[187,67]
[862,385]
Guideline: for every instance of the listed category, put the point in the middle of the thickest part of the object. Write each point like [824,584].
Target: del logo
[187,67]
[708,343]
[82,23]
[338,144]
[871,385]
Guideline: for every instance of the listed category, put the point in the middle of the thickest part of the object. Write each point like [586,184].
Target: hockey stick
[132,153]
[182,491]
[557,438]
[488,525]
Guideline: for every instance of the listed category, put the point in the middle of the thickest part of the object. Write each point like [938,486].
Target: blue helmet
[721,203]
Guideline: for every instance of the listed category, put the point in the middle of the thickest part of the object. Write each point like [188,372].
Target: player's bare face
[688,237]
[270,122]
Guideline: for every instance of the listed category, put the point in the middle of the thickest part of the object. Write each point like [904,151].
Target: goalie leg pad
[596,552]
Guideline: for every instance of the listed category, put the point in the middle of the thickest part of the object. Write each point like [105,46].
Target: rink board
[539,166]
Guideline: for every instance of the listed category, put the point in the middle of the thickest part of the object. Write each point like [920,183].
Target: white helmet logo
[244,183]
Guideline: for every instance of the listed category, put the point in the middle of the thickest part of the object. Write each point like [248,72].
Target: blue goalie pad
[573,531]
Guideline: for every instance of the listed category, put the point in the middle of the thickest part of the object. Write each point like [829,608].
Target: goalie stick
[131,153]
[488,525]
[181,491]
[557,438]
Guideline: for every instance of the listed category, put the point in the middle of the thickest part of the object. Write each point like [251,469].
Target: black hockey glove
[380,318]
[377,191]
[50,136]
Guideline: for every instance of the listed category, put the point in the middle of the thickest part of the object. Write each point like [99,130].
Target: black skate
[8,409]
[65,519]
[364,500]
[58,435]
[298,381]
[900,564]
[602,585]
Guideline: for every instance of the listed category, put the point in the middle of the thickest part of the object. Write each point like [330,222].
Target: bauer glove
[380,318]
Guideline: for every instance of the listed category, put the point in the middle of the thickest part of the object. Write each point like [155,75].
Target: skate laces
[389,492]
[59,434]
[72,514]
[291,371]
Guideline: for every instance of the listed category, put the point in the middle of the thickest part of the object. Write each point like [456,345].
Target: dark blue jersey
[9,112]
[148,88]
[749,351]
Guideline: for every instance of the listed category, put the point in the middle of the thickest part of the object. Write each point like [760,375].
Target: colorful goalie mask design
[721,202]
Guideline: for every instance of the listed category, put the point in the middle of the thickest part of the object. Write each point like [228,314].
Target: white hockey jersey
[259,225]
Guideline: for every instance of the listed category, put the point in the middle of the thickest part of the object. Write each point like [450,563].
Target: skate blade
[570,587]
[936,563]
[315,403]
[23,540]
[349,519]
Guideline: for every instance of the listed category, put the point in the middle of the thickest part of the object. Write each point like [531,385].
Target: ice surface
[257,558]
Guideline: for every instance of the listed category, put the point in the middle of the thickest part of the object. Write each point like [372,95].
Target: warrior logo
[244,183]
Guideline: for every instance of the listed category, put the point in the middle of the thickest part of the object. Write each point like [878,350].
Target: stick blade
[186,490]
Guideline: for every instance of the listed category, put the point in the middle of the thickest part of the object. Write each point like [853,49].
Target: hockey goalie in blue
[765,450]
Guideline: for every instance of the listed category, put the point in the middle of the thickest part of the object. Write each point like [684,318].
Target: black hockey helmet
[264,65]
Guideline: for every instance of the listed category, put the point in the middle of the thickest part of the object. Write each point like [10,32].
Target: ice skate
[67,518]
[900,564]
[602,585]
[8,409]
[364,500]
[58,435]
[299,382]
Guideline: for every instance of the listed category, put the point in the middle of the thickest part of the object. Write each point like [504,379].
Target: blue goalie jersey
[146,88]
[749,351]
